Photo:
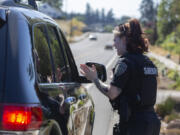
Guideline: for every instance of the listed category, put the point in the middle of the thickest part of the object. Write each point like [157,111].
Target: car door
[62,97]
[46,89]
[82,111]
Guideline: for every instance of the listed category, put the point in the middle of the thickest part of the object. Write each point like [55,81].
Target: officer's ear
[124,39]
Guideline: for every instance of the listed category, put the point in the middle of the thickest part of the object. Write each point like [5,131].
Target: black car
[40,87]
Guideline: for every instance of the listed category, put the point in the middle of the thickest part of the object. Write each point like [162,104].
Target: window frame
[66,62]
[33,47]
[3,55]
[72,64]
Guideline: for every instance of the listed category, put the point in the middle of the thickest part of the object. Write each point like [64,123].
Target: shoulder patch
[120,68]
[150,71]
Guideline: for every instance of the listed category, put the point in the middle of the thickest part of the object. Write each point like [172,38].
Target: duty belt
[143,109]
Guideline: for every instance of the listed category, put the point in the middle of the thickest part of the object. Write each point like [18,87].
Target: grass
[159,50]
[64,25]
[163,52]
[172,116]
[171,74]
[71,28]
[173,132]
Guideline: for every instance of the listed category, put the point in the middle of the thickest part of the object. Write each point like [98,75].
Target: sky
[120,7]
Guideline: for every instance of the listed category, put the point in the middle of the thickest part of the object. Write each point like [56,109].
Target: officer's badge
[120,69]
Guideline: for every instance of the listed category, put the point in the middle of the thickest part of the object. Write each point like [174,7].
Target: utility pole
[71,24]
[66,6]
[71,27]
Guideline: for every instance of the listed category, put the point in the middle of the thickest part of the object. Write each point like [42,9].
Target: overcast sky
[120,7]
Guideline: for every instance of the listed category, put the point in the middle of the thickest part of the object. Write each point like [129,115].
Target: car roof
[18,15]
[27,11]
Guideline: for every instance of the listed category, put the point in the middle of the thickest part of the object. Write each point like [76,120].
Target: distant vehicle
[92,37]
[108,47]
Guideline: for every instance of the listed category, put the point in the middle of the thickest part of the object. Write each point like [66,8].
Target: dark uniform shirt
[121,73]
[125,77]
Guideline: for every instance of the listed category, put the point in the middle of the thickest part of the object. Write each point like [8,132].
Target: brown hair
[135,39]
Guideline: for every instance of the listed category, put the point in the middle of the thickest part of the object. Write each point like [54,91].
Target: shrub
[173,74]
[171,117]
[150,33]
[169,46]
[176,85]
[166,107]
[108,28]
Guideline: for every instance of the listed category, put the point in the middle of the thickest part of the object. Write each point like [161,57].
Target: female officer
[134,82]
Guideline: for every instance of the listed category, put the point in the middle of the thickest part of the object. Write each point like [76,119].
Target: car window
[42,55]
[72,65]
[59,60]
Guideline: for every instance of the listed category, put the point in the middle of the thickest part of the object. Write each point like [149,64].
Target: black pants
[141,123]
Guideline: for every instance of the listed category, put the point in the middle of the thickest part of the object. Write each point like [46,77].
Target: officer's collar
[130,53]
[125,54]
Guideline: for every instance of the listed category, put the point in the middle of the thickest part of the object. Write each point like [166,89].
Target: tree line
[90,16]
[97,16]
[162,23]
[168,24]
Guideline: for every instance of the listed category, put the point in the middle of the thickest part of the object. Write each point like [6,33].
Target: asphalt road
[90,50]
[93,50]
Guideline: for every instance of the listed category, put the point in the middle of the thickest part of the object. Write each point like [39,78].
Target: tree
[175,12]
[177,40]
[88,13]
[163,19]
[110,16]
[147,12]
[168,18]
[97,16]
[103,18]
[123,19]
[149,18]
[54,3]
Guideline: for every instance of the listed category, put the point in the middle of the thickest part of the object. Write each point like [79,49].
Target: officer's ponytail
[135,39]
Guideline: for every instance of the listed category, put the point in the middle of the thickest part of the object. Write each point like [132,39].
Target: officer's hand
[88,72]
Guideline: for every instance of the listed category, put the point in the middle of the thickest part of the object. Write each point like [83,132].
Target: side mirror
[101,70]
